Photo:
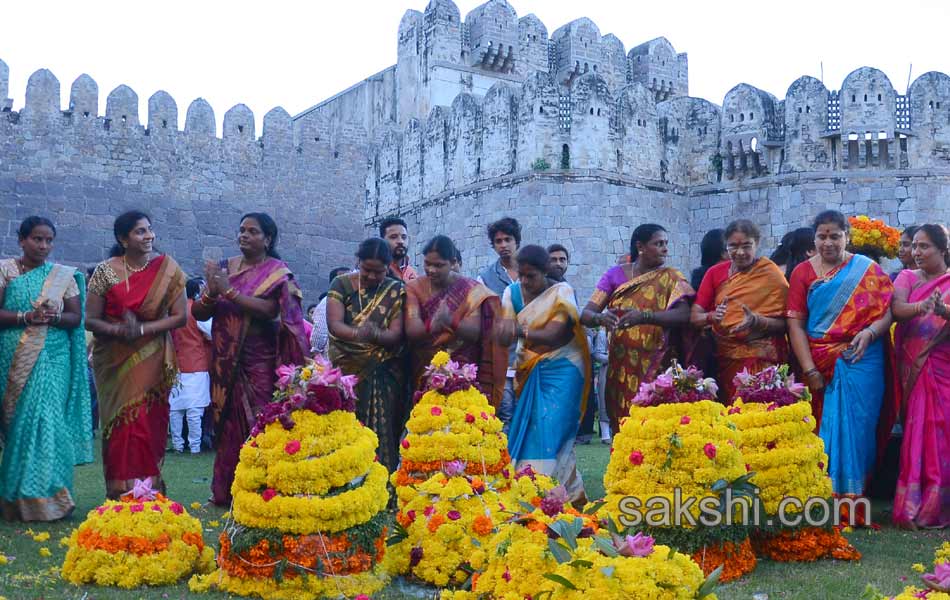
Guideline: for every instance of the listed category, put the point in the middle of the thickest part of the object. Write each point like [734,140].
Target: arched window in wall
[565,157]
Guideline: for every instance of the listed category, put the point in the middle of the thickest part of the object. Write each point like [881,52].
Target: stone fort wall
[82,167]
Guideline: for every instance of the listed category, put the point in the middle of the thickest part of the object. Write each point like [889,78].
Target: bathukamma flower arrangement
[141,539]
[309,497]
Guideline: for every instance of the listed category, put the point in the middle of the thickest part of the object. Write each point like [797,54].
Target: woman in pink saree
[258,326]
[922,341]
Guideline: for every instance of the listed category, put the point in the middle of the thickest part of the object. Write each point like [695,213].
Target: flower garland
[142,539]
[873,236]
[676,385]
[309,506]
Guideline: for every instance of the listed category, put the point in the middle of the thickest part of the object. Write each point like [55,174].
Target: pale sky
[295,54]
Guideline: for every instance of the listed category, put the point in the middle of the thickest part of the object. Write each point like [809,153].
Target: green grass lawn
[888,554]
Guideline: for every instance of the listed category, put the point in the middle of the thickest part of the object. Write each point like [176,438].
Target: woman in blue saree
[551,380]
[838,318]
[45,427]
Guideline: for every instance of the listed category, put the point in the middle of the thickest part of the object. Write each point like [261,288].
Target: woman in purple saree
[258,326]
[922,342]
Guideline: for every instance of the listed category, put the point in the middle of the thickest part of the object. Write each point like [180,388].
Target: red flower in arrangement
[485,416]
[176,508]
[436,411]
[411,515]
[747,468]
[117,508]
[361,597]
[429,511]
[469,418]
[157,508]
[506,575]
[454,515]
[685,420]
[710,450]
[405,444]
[636,457]
[415,556]
[770,446]
[734,410]
[102,509]
[268,494]
[137,507]
[292,447]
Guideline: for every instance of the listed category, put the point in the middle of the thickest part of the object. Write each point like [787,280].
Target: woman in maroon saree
[445,311]
[135,299]
[258,326]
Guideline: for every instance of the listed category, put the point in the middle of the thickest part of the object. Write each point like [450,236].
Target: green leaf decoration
[605,546]
[559,551]
[593,508]
[561,580]
[709,586]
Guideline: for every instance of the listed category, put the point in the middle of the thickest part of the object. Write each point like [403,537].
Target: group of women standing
[825,310]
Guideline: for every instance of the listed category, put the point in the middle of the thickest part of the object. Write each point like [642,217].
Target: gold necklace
[129,268]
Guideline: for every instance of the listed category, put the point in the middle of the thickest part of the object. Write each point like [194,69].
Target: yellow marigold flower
[64,542]
[847,530]
[226,515]
[918,567]
[44,551]
[440,359]
[214,524]
[3,559]
[306,374]
[41,537]
[195,505]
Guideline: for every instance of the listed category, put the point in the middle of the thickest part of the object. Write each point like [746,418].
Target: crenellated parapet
[84,164]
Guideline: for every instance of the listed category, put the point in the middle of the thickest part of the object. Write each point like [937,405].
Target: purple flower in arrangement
[142,489]
[452,366]
[525,471]
[470,371]
[285,375]
[554,500]
[330,377]
[453,515]
[638,545]
[348,383]
[743,378]
[454,468]
[415,556]
[664,381]
[437,381]
[940,578]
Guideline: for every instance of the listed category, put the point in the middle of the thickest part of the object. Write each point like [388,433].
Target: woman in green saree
[364,316]
[45,429]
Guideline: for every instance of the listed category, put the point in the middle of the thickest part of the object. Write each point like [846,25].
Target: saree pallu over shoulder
[853,407]
[764,289]
[922,498]
[552,387]
[131,374]
[46,428]
[463,299]
[639,353]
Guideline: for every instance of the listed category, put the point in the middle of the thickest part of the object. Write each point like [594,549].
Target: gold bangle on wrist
[231,293]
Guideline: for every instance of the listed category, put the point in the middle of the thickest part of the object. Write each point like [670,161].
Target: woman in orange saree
[838,317]
[257,326]
[922,342]
[644,303]
[135,299]
[445,311]
[743,302]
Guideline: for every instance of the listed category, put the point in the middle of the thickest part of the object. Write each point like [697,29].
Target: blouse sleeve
[102,280]
[72,290]
[797,304]
[605,287]
[905,281]
[337,290]
[8,272]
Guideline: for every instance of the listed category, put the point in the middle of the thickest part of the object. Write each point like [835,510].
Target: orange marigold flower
[435,522]
[482,525]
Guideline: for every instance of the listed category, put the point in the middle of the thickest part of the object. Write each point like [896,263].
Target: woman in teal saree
[45,427]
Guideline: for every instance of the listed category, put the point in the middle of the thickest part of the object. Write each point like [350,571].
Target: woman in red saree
[838,318]
[646,303]
[257,326]
[922,342]
[135,299]
[445,311]
[743,302]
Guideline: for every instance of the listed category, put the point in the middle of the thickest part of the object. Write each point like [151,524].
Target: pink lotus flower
[710,450]
[142,489]
[452,366]
[454,515]
[940,578]
[639,545]
[685,420]
[454,468]
[348,383]
[176,508]
[469,418]
[664,381]
[636,458]
[268,494]
[330,377]
[137,508]
[436,411]
[470,371]
[292,447]
[797,389]
[437,381]
[285,375]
